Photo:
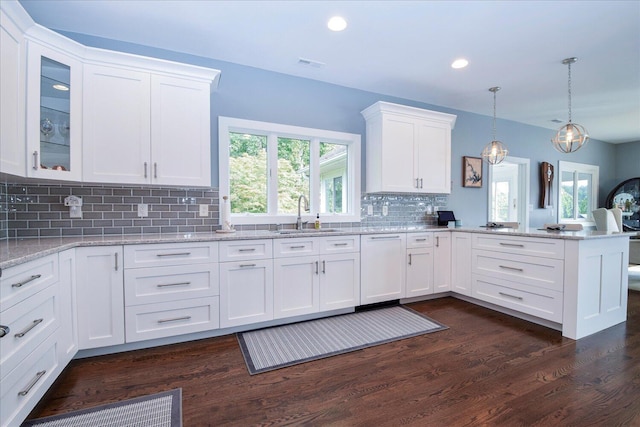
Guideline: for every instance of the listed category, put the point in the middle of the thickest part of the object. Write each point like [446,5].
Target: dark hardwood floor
[487,369]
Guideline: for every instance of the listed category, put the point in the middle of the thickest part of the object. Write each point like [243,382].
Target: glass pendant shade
[495,151]
[570,137]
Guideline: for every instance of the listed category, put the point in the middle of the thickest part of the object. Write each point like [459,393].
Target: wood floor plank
[486,369]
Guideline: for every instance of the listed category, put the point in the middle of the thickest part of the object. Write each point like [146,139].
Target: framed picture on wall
[471,172]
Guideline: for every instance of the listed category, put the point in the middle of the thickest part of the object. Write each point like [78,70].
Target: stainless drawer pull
[421,240]
[340,244]
[24,282]
[166,285]
[4,330]
[155,170]
[175,319]
[297,247]
[324,267]
[317,267]
[33,382]
[513,245]
[115,256]
[247,250]
[35,160]
[409,259]
[26,330]
[247,265]
[437,241]
[510,296]
[506,267]
[384,237]
[145,169]
[175,254]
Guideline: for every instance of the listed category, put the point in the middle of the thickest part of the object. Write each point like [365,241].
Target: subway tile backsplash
[37,210]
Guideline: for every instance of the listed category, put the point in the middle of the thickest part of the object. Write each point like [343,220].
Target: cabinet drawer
[537,302]
[30,323]
[245,249]
[167,319]
[20,282]
[296,247]
[163,254]
[159,284]
[21,388]
[419,240]
[548,248]
[339,244]
[535,271]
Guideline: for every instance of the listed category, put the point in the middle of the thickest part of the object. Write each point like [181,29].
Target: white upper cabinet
[408,149]
[146,128]
[12,76]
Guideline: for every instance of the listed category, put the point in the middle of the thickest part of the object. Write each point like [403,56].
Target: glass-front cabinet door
[54,95]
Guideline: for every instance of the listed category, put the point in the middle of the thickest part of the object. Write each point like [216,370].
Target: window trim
[274,130]
[576,168]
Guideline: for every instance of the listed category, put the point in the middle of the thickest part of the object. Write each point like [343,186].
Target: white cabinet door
[398,174]
[382,269]
[419,272]
[461,263]
[442,262]
[433,155]
[12,88]
[100,296]
[117,125]
[180,131]
[339,281]
[54,114]
[68,332]
[246,292]
[296,286]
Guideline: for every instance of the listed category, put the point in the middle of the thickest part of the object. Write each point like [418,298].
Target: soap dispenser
[317,222]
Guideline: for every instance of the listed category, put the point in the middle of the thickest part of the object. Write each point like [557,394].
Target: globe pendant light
[495,151]
[570,137]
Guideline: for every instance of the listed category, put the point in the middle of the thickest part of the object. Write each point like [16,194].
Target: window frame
[315,136]
[577,168]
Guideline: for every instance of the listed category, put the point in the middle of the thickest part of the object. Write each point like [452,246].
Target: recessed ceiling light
[60,86]
[337,23]
[459,63]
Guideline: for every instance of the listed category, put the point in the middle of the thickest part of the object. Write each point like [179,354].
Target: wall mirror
[509,184]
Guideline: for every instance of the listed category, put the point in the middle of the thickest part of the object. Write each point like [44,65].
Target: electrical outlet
[204,210]
[143,210]
[385,210]
[369,210]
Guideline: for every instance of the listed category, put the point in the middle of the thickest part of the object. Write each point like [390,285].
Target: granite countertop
[18,251]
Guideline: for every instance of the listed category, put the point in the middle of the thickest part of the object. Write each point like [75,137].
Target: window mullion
[314,175]
[272,179]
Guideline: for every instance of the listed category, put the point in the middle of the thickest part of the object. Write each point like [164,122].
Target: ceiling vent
[311,63]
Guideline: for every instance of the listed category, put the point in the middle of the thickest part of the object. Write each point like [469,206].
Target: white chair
[608,219]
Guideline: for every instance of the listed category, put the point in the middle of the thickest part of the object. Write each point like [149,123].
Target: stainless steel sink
[307,230]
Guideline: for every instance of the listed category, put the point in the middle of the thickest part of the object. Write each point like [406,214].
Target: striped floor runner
[287,345]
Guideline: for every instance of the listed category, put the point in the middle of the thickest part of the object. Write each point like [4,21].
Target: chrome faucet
[299,222]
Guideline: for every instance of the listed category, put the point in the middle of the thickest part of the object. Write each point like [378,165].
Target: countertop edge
[19,251]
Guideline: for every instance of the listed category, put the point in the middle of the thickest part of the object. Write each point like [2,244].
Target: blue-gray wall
[255,94]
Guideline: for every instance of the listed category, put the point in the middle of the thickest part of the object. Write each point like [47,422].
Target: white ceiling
[405,48]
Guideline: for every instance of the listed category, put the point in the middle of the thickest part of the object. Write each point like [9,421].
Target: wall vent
[311,63]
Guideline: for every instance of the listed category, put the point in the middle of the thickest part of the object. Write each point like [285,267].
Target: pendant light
[570,137]
[495,151]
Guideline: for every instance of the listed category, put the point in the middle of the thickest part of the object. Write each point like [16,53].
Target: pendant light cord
[569,92]
[494,115]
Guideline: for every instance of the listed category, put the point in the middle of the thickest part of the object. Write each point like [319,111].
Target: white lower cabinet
[100,296]
[324,275]
[246,282]
[382,267]
[442,261]
[419,264]
[246,292]
[461,263]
